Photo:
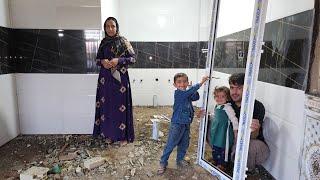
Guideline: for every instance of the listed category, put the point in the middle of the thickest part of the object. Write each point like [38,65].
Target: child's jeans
[178,136]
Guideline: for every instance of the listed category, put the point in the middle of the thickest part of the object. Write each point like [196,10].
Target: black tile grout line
[285,58]
[159,43]
[34,51]
[295,25]
[178,58]
[31,45]
[4,31]
[42,71]
[274,69]
[168,53]
[4,42]
[46,50]
[46,62]
[7,66]
[83,40]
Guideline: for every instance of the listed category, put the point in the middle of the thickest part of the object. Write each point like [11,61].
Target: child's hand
[201,113]
[204,79]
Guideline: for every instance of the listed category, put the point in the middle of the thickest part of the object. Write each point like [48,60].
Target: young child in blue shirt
[182,116]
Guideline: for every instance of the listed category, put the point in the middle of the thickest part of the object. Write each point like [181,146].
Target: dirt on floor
[65,154]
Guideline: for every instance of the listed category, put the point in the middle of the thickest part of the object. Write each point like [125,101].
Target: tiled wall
[286,51]
[53,51]
[7,62]
[314,75]
[284,61]
[74,51]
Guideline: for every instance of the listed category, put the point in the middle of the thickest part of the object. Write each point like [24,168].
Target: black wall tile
[284,61]
[285,53]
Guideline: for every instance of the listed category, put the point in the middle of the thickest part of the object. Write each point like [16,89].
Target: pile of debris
[85,156]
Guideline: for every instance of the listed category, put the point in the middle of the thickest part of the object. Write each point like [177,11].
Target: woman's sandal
[108,141]
[161,170]
[123,143]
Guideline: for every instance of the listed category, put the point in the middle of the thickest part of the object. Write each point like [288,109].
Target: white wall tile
[283,135]
[4,13]
[65,103]
[282,100]
[55,14]
[9,123]
[282,166]
[166,20]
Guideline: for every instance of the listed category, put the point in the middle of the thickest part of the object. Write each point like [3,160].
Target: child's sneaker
[161,170]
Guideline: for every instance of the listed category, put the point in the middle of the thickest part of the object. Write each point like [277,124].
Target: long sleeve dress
[113,116]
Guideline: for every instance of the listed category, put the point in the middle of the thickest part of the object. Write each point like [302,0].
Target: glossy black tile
[285,56]
[303,19]
[147,47]
[7,58]
[162,51]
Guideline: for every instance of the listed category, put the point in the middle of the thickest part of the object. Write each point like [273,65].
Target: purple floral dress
[113,117]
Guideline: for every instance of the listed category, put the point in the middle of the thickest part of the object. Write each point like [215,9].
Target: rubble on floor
[85,157]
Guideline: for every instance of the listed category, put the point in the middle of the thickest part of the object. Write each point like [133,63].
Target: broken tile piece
[34,173]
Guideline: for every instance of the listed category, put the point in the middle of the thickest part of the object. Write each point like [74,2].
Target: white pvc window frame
[247,104]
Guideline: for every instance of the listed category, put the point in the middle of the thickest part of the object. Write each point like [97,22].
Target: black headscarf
[120,46]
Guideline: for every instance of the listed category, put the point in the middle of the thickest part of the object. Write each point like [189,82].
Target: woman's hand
[114,62]
[106,63]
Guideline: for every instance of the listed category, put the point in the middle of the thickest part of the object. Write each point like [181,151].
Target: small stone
[149,174]
[141,161]
[49,151]
[94,162]
[33,163]
[194,177]
[68,137]
[89,153]
[28,145]
[130,160]
[133,171]
[102,169]
[161,134]
[68,157]
[114,172]
[78,170]
[187,158]
[57,176]
[123,162]
[131,155]
[83,155]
